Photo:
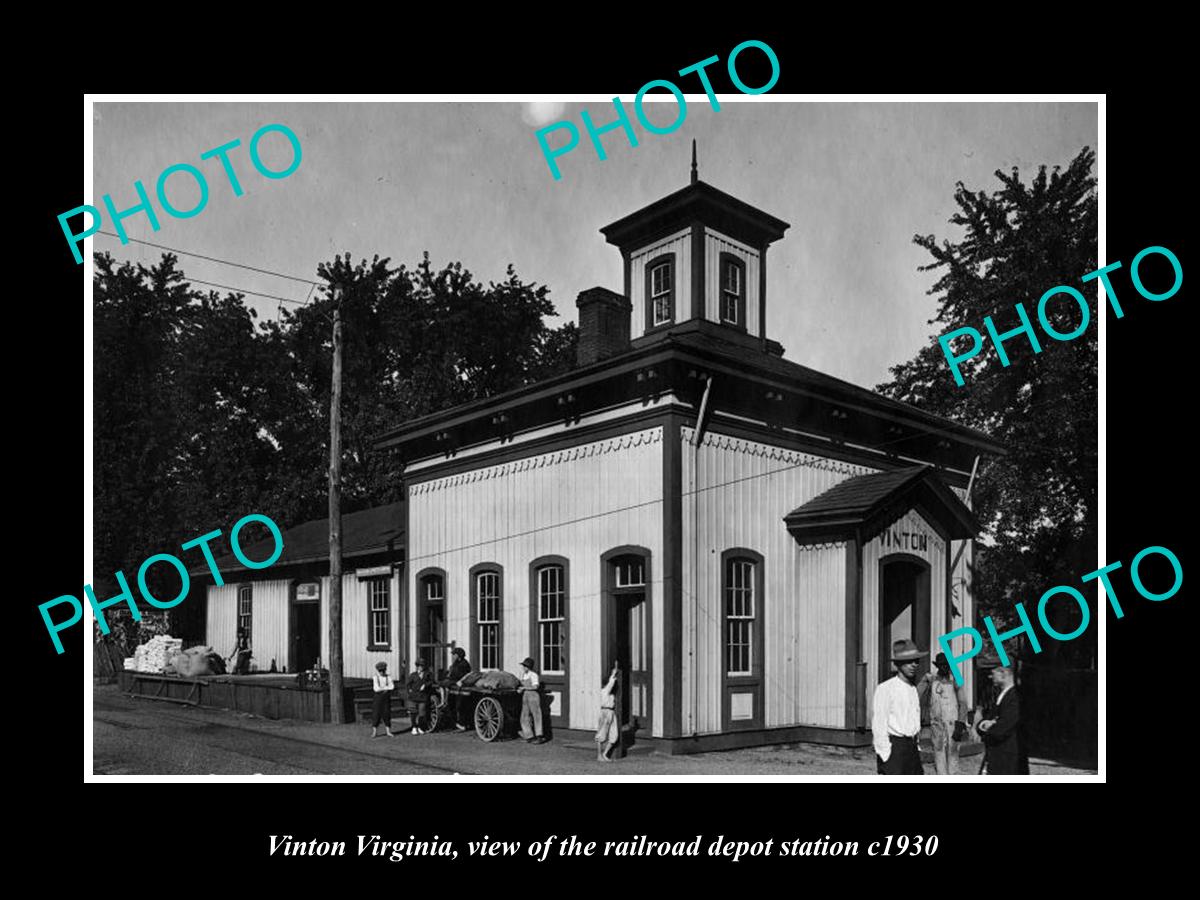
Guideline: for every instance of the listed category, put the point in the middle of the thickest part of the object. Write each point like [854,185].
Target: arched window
[487,606]
[742,638]
[551,618]
[733,290]
[740,616]
[550,604]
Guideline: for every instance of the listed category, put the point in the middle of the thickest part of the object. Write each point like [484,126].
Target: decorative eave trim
[584,451]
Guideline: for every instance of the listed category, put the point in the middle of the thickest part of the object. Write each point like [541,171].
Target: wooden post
[337,713]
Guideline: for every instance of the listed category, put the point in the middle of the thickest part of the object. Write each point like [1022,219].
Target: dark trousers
[419,712]
[463,711]
[381,709]
[905,758]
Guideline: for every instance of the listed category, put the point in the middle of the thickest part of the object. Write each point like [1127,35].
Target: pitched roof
[379,529]
[867,504]
[697,201]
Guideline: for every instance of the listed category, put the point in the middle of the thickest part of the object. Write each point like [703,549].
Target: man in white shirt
[531,703]
[896,720]
[382,686]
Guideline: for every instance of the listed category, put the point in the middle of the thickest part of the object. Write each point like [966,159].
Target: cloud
[539,114]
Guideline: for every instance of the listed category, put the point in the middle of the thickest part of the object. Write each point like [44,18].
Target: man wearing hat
[947,715]
[420,684]
[896,720]
[1001,724]
[459,669]
[531,703]
[382,685]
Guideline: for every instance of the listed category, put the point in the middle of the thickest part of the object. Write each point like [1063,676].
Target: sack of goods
[498,679]
[153,655]
[131,664]
[196,661]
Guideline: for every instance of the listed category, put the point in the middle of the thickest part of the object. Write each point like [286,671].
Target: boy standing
[382,685]
[531,703]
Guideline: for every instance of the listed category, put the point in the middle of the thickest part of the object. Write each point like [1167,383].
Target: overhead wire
[216,259]
[313,285]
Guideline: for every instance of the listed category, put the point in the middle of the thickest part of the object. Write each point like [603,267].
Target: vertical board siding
[576,503]
[220,626]
[680,244]
[269,630]
[268,626]
[357,660]
[873,552]
[735,494]
[714,245]
[964,599]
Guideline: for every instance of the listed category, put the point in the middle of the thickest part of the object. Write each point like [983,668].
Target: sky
[468,182]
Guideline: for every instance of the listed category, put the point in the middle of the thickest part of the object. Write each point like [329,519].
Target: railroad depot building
[285,607]
[746,535]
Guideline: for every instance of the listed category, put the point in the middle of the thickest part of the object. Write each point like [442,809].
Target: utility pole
[336,713]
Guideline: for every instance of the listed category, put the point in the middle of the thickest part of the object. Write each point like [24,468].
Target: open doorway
[305,626]
[431,621]
[903,609]
[625,636]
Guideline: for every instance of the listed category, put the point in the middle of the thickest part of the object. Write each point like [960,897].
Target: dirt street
[142,737]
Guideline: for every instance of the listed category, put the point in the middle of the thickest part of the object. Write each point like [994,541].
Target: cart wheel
[489,719]
[435,716]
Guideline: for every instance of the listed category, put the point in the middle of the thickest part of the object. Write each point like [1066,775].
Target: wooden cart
[495,712]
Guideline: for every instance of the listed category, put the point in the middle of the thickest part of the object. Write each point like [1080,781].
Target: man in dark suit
[1001,726]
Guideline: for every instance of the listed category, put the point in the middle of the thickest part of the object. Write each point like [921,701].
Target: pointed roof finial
[695,174]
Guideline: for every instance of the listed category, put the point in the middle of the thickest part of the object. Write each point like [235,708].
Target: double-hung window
[551,617]
[379,613]
[660,281]
[733,290]
[245,608]
[740,612]
[487,620]
[744,663]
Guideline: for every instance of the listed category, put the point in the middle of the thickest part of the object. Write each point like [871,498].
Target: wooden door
[633,652]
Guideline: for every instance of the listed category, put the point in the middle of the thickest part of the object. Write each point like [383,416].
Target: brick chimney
[603,325]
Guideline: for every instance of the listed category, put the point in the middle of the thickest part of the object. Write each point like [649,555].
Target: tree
[181,408]
[416,341]
[1038,503]
[202,415]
